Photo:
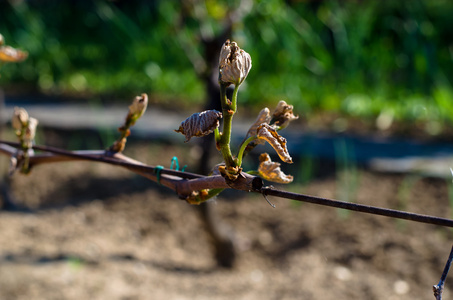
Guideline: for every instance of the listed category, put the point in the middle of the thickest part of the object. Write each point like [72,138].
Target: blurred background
[362,59]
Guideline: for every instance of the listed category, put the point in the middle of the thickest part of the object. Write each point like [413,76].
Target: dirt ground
[98,232]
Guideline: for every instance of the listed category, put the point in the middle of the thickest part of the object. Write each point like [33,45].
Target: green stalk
[242,149]
[228,109]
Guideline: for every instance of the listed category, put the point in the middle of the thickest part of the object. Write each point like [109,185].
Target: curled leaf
[270,135]
[271,171]
[263,117]
[10,54]
[283,114]
[19,119]
[200,124]
[30,131]
[234,64]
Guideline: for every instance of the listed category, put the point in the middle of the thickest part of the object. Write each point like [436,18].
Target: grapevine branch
[183,183]
[234,66]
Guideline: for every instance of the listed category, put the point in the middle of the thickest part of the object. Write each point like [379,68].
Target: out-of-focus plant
[388,59]
[9,54]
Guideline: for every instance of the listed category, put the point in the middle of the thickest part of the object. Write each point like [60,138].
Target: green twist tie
[174,160]
[157,170]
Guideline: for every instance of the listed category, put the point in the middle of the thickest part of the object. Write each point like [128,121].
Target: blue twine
[157,170]
[174,160]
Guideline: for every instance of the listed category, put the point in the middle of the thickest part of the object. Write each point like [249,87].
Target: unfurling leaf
[283,115]
[137,108]
[271,171]
[270,135]
[30,131]
[263,117]
[200,124]
[20,119]
[10,54]
[234,64]
[24,125]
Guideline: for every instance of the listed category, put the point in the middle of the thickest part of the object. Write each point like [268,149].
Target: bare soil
[94,231]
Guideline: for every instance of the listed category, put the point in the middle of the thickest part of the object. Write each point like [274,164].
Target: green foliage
[362,58]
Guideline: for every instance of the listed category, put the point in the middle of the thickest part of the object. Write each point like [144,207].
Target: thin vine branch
[439,288]
[392,213]
[184,183]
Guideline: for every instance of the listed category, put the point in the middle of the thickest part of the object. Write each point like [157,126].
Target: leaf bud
[30,130]
[234,64]
[137,109]
[20,118]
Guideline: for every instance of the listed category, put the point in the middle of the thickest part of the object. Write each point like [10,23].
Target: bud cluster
[25,126]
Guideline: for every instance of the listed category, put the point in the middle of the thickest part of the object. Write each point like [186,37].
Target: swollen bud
[234,64]
[137,108]
[20,119]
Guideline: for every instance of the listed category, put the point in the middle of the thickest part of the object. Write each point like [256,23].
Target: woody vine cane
[234,66]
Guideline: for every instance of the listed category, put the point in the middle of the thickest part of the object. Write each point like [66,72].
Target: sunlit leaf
[270,135]
[271,171]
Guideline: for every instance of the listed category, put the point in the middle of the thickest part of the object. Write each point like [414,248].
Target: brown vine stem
[439,288]
[184,183]
[392,213]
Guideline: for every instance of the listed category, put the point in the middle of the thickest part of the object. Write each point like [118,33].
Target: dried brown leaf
[271,171]
[263,117]
[200,124]
[10,54]
[283,114]
[270,135]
